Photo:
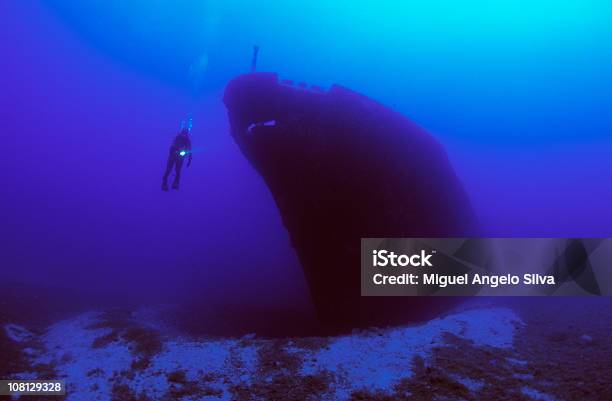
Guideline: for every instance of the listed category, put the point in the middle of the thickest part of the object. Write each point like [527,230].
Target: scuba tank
[186,124]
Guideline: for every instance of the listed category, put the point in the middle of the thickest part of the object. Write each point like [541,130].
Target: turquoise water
[517,91]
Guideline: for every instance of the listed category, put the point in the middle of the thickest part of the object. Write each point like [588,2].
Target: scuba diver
[179,149]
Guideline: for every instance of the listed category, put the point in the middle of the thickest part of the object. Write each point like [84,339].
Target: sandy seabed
[481,352]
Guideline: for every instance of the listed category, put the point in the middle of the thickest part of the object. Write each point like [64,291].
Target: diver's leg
[169,165]
[177,172]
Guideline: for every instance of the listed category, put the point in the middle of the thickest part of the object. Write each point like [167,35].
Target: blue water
[92,92]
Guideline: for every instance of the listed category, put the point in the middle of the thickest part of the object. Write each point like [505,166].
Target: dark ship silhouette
[341,167]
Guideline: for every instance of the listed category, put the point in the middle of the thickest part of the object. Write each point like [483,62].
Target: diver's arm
[189,152]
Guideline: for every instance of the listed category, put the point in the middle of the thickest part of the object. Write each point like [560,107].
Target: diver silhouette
[179,149]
